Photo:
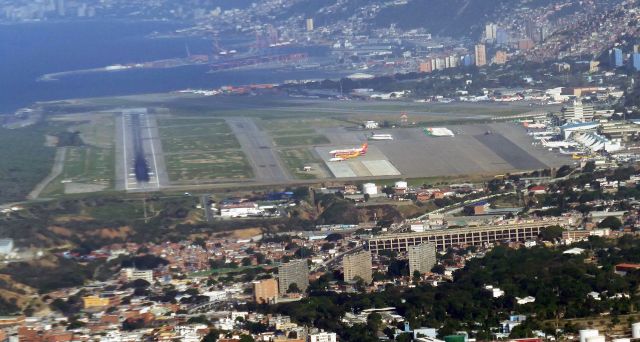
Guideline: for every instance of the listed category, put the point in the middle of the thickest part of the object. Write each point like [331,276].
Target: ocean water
[27,51]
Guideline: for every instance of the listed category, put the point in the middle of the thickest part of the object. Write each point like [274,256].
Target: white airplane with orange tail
[361,151]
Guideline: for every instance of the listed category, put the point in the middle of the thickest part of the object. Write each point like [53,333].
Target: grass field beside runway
[92,164]
[201,149]
[296,158]
[230,164]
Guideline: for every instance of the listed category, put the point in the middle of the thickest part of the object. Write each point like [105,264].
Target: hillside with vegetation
[25,161]
[561,284]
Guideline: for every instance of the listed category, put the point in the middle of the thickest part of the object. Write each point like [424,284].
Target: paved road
[56,170]
[258,147]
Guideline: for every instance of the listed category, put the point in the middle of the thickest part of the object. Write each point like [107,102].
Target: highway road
[258,147]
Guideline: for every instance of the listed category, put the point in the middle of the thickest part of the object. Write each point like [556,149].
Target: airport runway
[146,130]
[258,147]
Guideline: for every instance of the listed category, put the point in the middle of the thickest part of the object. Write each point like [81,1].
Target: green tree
[212,336]
[551,233]
[404,337]
[374,321]
[610,222]
[246,338]
[440,269]
[293,288]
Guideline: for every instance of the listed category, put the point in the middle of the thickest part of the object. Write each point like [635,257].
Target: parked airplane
[361,151]
[379,136]
[345,155]
[557,144]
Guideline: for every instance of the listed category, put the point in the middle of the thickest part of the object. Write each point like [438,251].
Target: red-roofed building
[538,190]
[625,268]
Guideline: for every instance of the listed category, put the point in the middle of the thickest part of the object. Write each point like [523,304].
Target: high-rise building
[425,66]
[616,57]
[293,272]
[309,24]
[531,30]
[357,265]
[490,31]
[502,37]
[467,60]
[500,58]
[265,291]
[481,55]
[60,8]
[636,60]
[422,258]
[578,112]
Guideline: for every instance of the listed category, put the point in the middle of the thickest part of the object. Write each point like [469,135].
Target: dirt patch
[246,233]
[61,231]
[50,141]
[113,233]
[72,218]
[80,188]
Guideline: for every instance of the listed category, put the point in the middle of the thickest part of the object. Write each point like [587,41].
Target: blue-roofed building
[636,61]
[568,129]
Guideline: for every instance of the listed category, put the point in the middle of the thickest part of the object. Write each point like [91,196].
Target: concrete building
[500,58]
[6,246]
[490,31]
[94,302]
[578,112]
[293,272]
[425,66]
[132,274]
[358,265]
[622,131]
[445,238]
[60,8]
[525,44]
[422,258]
[481,55]
[265,291]
[323,337]
[309,24]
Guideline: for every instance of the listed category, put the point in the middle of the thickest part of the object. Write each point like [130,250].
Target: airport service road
[258,147]
[126,132]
